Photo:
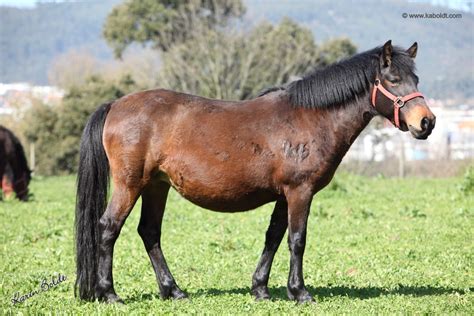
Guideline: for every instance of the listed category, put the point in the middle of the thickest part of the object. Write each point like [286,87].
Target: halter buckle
[399,102]
[377,82]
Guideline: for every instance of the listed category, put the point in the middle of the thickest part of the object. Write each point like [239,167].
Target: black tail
[91,201]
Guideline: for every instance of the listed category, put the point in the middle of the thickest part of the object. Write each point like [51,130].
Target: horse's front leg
[299,202]
[276,231]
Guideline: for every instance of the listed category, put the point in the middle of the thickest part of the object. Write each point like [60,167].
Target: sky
[456,4]
[24,3]
[18,3]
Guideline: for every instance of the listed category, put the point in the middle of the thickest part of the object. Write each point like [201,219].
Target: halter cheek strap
[398,102]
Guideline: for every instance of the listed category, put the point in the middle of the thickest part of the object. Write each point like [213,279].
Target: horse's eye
[395,81]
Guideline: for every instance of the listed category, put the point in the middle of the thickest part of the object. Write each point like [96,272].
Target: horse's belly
[220,194]
[231,204]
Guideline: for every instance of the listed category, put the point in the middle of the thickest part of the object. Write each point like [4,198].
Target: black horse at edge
[15,175]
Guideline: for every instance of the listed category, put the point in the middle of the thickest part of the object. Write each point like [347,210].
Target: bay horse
[232,156]
[14,172]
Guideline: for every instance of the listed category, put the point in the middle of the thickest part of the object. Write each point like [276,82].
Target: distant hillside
[31,38]
[445,58]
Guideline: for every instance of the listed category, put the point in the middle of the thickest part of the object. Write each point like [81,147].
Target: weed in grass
[320,212]
[336,186]
[412,212]
[466,186]
[464,212]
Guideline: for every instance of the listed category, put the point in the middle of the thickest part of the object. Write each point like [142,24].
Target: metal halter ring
[399,102]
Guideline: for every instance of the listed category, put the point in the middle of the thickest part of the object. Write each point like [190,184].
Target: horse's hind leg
[275,233]
[122,201]
[153,207]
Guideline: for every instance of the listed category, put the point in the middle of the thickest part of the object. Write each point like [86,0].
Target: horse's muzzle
[427,125]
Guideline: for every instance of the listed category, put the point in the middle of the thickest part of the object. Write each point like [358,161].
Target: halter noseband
[398,102]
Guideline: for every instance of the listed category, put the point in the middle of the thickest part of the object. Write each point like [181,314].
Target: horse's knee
[150,236]
[297,242]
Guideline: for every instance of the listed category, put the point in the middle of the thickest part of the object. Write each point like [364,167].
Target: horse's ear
[386,57]
[413,50]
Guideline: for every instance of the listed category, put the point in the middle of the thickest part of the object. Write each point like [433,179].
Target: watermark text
[45,285]
[427,16]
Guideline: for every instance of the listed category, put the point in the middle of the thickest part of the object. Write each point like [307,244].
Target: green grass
[374,246]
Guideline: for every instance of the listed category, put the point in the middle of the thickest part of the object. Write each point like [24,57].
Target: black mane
[343,81]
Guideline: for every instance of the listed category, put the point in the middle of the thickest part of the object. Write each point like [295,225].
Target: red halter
[398,102]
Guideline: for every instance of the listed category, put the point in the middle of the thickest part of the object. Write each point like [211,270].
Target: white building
[16,95]
[452,138]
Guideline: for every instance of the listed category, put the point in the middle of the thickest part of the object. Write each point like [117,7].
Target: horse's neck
[346,122]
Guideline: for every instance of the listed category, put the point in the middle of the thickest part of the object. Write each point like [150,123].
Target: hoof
[261,293]
[173,293]
[301,297]
[178,295]
[112,298]
[306,300]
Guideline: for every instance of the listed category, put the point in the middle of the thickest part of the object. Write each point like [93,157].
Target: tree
[164,23]
[38,126]
[334,50]
[72,68]
[141,64]
[234,65]
[225,65]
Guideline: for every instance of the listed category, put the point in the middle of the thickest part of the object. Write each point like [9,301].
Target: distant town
[21,95]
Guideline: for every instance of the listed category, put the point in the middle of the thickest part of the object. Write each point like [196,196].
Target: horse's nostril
[425,123]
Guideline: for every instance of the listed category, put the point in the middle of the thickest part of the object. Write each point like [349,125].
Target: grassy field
[374,245]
